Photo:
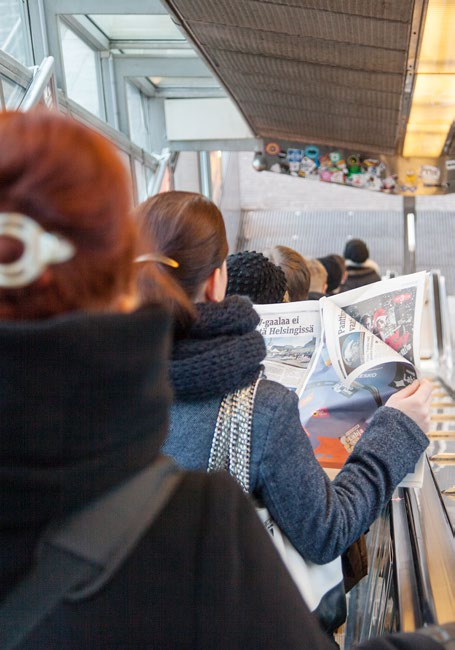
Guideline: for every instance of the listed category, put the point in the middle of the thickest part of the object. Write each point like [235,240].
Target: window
[11,94]
[13,32]
[136,117]
[141,181]
[80,62]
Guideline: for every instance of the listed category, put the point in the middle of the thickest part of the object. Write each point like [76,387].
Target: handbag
[321,585]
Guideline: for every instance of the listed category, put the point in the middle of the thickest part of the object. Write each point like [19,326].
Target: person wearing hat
[360,269]
[254,275]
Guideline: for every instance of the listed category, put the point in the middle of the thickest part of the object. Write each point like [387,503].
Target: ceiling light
[433,101]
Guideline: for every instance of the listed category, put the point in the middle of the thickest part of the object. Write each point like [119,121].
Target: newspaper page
[390,309]
[366,353]
[292,332]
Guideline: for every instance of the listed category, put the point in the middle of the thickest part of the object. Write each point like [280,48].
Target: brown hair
[71,181]
[188,228]
[295,268]
[318,276]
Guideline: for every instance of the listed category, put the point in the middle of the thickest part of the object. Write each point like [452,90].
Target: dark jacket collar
[83,404]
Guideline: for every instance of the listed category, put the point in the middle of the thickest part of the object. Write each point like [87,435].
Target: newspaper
[292,332]
[356,349]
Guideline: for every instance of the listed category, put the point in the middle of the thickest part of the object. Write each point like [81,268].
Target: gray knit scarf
[222,350]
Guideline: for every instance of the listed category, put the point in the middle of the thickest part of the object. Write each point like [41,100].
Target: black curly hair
[252,274]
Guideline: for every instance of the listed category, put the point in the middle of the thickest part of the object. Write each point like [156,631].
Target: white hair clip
[41,249]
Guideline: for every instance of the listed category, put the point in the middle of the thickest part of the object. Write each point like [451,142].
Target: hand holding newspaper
[345,356]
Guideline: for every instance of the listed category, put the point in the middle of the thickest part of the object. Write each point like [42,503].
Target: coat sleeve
[322,517]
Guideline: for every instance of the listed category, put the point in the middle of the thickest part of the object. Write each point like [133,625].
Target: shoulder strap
[79,555]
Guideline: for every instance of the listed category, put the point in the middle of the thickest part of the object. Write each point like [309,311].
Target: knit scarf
[221,352]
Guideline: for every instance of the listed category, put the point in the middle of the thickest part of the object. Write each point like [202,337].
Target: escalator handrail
[425,591]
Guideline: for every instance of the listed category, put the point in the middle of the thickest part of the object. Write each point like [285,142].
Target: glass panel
[150,27]
[12,94]
[13,31]
[136,118]
[372,603]
[127,162]
[141,184]
[81,71]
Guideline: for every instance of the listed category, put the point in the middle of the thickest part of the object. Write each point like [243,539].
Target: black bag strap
[78,555]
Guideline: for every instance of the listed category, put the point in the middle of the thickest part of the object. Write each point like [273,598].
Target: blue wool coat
[320,517]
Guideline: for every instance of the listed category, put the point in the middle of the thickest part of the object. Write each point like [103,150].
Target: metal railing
[43,86]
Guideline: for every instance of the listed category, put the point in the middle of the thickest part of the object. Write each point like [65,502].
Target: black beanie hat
[334,272]
[252,274]
[356,250]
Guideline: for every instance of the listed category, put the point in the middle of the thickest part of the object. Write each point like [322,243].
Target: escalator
[411,547]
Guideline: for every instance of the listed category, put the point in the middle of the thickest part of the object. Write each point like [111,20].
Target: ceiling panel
[297,20]
[333,103]
[262,68]
[321,124]
[250,88]
[330,71]
[387,9]
[308,49]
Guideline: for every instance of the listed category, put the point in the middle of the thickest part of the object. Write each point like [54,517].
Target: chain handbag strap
[231,445]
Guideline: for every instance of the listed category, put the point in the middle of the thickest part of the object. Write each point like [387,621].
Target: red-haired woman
[83,407]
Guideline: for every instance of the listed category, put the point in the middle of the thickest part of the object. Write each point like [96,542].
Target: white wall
[204,119]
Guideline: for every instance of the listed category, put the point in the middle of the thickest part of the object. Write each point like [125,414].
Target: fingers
[425,389]
[410,389]
[414,401]
[420,388]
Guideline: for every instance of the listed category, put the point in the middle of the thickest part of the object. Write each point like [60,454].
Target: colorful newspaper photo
[367,352]
[391,310]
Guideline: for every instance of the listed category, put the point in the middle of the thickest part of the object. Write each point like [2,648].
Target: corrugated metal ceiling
[325,71]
